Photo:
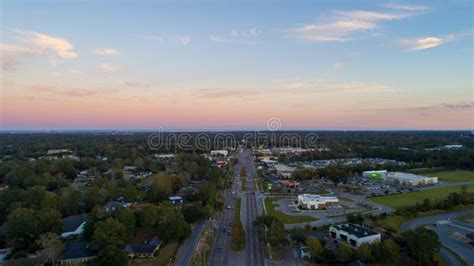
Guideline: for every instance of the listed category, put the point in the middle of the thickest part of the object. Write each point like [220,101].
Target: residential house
[77,252]
[145,250]
[73,226]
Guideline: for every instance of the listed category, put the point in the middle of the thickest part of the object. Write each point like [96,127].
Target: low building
[219,153]
[411,179]
[143,251]
[175,199]
[113,206]
[316,202]
[354,234]
[375,174]
[73,226]
[77,252]
[290,184]
[284,171]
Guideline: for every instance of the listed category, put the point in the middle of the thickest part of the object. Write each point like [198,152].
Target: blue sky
[234,64]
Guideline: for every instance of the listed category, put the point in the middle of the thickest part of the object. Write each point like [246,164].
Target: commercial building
[354,234]
[316,202]
[375,174]
[284,171]
[401,178]
[411,179]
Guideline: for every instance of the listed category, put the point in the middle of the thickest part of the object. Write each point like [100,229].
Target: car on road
[219,250]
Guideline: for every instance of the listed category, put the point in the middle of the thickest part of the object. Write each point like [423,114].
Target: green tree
[111,255]
[390,252]
[109,233]
[345,252]
[127,219]
[364,253]
[22,227]
[315,247]
[422,244]
[51,246]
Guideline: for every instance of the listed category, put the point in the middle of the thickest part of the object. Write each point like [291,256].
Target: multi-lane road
[253,254]
[253,249]
[446,228]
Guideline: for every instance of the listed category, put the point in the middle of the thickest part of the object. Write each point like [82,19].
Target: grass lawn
[400,201]
[395,221]
[440,260]
[453,176]
[465,218]
[285,218]
[244,184]
[344,198]
[238,233]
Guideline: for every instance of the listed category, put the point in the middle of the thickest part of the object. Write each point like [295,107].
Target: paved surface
[253,248]
[186,252]
[448,230]
[325,220]
[221,248]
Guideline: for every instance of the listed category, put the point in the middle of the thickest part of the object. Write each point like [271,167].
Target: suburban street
[186,252]
[446,228]
[221,248]
[221,253]
[253,249]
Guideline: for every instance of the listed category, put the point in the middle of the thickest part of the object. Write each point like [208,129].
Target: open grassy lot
[238,233]
[453,176]
[243,182]
[285,218]
[400,201]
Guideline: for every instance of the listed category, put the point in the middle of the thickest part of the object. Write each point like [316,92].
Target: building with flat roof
[284,170]
[408,179]
[411,179]
[316,202]
[354,234]
[382,174]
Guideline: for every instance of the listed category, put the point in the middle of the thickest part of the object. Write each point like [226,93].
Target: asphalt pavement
[450,232]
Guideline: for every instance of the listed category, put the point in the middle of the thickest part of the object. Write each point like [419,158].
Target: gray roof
[356,230]
[143,248]
[71,223]
[76,250]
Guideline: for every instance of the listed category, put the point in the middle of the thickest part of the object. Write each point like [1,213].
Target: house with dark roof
[77,252]
[73,225]
[113,206]
[354,234]
[144,250]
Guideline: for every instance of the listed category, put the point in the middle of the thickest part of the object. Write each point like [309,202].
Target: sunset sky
[143,65]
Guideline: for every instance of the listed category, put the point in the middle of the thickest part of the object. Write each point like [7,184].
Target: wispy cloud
[69,92]
[183,40]
[341,26]
[60,46]
[326,86]
[237,36]
[427,42]
[405,6]
[18,49]
[133,84]
[76,73]
[338,65]
[106,52]
[109,67]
